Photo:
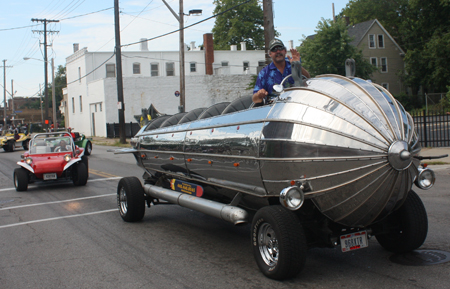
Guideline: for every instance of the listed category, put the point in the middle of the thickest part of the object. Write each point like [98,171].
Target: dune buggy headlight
[425,179]
[292,198]
[29,161]
[67,158]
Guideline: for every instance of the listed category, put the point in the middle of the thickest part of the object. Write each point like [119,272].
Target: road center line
[57,202]
[57,218]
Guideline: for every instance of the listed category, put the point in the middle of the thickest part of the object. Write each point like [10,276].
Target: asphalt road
[62,236]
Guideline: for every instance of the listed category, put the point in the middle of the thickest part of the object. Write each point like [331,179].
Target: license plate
[354,241]
[51,176]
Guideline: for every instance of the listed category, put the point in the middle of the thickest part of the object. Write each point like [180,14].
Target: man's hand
[295,55]
[259,95]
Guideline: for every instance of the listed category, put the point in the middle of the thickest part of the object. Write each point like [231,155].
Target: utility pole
[120,104]
[13,114]
[55,123]
[4,93]
[269,30]
[45,21]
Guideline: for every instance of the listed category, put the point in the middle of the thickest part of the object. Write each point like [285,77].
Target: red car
[51,156]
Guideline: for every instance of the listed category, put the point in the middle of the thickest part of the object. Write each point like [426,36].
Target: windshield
[51,144]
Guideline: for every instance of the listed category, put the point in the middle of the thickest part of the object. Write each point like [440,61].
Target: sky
[81,22]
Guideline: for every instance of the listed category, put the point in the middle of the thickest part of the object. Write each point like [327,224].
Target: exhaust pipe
[227,213]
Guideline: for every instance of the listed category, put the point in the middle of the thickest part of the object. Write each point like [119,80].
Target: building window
[81,103]
[95,107]
[380,41]
[154,69]
[170,69]
[224,63]
[246,65]
[372,41]
[79,74]
[385,85]
[384,66]
[374,62]
[110,70]
[136,68]
[193,67]
[100,106]
[73,105]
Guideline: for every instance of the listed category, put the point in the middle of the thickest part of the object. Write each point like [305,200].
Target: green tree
[60,83]
[243,23]
[327,51]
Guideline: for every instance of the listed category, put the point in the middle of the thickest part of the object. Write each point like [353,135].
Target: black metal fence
[433,128]
[112,129]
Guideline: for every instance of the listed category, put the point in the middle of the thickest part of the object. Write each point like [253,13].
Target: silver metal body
[348,140]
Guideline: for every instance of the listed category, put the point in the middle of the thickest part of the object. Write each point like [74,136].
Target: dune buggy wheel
[88,149]
[11,146]
[408,226]
[279,242]
[79,174]
[21,179]
[131,199]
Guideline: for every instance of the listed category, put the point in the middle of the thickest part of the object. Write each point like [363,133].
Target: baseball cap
[274,43]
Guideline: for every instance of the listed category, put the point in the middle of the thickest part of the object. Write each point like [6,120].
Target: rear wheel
[21,179]
[408,226]
[279,242]
[131,199]
[11,146]
[88,149]
[80,174]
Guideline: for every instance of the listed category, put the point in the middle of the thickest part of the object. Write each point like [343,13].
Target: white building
[152,77]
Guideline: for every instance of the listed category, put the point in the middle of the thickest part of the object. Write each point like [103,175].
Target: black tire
[25,145]
[279,242]
[21,179]
[79,174]
[88,149]
[409,226]
[131,199]
[85,161]
[11,146]
[6,147]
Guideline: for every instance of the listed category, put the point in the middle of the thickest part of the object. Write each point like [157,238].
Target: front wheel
[408,226]
[88,149]
[11,146]
[279,242]
[80,174]
[21,179]
[131,199]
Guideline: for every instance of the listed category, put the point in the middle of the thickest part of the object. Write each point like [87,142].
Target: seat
[40,147]
[239,104]
[214,110]
[192,115]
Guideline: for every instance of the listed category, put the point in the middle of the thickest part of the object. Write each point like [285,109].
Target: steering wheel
[57,149]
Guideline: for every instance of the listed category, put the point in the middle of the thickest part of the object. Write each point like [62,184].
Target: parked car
[11,141]
[51,157]
[83,142]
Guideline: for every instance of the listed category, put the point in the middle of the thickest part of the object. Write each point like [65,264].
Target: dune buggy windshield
[51,144]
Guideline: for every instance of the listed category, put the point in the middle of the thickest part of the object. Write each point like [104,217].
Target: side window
[110,70]
[246,65]
[136,68]
[224,63]
[170,69]
[380,41]
[79,74]
[81,103]
[154,67]
[374,62]
[73,105]
[193,66]
[384,65]
[372,41]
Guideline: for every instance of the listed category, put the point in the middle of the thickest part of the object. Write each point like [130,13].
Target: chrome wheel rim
[89,148]
[123,204]
[268,244]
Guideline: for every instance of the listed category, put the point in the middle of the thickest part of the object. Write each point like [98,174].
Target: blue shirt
[270,75]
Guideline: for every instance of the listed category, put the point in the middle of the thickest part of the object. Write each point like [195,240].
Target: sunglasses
[278,48]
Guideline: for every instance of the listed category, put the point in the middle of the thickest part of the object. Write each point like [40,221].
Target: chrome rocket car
[327,164]
[51,157]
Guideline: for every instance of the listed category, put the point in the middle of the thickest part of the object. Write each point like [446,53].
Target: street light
[179,17]
[46,91]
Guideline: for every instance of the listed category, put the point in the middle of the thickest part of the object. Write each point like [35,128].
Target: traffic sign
[177,93]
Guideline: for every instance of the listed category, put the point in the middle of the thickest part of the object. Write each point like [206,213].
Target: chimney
[144,44]
[243,46]
[233,47]
[192,45]
[208,45]
[291,44]
[76,46]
